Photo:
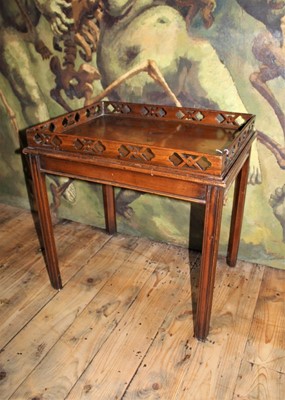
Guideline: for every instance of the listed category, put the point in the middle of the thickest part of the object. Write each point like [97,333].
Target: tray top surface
[165,134]
[206,141]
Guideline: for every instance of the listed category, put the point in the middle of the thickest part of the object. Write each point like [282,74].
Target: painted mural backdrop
[58,55]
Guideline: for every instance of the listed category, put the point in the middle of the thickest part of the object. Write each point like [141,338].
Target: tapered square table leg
[41,197]
[212,226]
[237,214]
[109,208]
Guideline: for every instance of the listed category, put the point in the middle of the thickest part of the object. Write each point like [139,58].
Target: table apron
[146,181]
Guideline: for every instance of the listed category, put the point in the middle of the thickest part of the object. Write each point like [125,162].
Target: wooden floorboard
[122,327]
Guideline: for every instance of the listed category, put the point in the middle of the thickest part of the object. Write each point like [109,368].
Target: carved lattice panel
[89,146]
[189,161]
[70,119]
[93,111]
[43,139]
[153,111]
[56,142]
[118,108]
[230,119]
[136,153]
[190,115]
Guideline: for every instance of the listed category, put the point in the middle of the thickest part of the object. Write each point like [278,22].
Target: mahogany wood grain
[211,235]
[183,153]
[110,208]
[237,214]
[40,193]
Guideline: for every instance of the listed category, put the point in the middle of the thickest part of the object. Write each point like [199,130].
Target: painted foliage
[58,55]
